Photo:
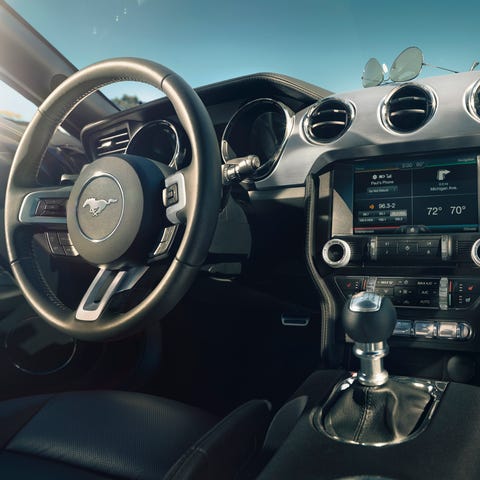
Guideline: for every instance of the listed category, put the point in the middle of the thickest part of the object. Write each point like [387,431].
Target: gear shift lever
[374,409]
[369,320]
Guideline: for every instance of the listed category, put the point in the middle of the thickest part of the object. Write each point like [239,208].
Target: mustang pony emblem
[98,206]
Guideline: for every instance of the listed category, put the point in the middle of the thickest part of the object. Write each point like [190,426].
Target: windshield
[323,42]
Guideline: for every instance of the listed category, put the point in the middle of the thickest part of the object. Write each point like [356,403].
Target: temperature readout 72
[453,210]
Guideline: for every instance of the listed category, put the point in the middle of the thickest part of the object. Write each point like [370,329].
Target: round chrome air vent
[473,101]
[327,120]
[408,108]
[161,141]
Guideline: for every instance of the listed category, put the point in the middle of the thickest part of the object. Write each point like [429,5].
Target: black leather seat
[98,435]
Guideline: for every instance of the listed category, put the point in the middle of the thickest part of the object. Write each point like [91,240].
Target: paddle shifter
[369,320]
[373,409]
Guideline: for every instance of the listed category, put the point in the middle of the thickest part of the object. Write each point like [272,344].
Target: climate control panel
[441,293]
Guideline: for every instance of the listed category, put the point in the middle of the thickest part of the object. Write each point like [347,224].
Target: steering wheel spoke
[164,246]
[105,285]
[45,206]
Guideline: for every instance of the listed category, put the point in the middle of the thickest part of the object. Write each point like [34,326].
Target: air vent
[113,142]
[408,108]
[474,101]
[328,120]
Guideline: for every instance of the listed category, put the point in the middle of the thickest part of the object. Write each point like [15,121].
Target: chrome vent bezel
[473,105]
[268,166]
[335,107]
[420,101]
[115,141]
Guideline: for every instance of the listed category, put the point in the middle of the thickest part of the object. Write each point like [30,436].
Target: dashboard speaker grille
[357,249]
[328,120]
[409,108]
[112,142]
[463,248]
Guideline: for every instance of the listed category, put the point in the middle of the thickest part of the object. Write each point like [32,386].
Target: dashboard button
[427,252]
[428,244]
[57,250]
[404,291]
[425,329]
[64,238]
[385,291]
[70,251]
[425,302]
[392,244]
[407,248]
[387,252]
[447,330]
[403,328]
[349,285]
[427,283]
[408,302]
[385,282]
[52,239]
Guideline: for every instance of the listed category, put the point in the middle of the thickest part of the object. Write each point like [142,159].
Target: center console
[368,425]
[407,227]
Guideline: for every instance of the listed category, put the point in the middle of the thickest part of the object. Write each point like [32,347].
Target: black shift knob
[369,318]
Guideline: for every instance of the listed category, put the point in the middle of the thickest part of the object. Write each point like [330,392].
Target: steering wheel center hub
[115,212]
[100,207]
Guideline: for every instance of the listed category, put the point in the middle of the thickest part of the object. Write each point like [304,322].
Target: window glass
[15,106]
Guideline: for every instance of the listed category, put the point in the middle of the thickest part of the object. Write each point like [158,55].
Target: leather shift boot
[376,414]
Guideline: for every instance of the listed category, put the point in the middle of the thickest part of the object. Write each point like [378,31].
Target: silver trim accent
[470,100]
[174,210]
[271,162]
[104,286]
[166,241]
[292,321]
[365,302]
[425,329]
[448,330]
[403,328]
[98,205]
[106,140]
[443,293]
[178,154]
[307,117]
[474,252]
[371,373]
[465,331]
[344,260]
[446,247]
[30,202]
[435,388]
[382,111]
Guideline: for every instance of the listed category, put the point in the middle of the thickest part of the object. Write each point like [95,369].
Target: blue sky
[323,42]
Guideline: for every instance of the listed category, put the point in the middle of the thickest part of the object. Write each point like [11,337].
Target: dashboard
[395,170]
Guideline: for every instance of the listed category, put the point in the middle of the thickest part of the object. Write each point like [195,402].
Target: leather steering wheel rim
[203,195]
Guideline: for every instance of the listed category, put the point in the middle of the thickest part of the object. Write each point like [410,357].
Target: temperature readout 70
[453,210]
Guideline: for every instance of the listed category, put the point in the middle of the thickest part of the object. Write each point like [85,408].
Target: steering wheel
[123,212]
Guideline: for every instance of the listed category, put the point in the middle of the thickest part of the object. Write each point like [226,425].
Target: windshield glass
[323,42]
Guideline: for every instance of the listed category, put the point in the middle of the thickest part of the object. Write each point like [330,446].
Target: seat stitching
[363,418]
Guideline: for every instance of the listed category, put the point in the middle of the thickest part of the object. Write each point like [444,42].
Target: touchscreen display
[417,196]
